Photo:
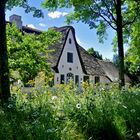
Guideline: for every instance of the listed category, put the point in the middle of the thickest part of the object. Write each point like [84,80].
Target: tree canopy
[28,52]
[132,58]
[94,53]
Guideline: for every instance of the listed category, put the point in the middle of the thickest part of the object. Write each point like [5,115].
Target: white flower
[54,97]
[133,110]
[10,106]
[102,89]
[138,134]
[78,105]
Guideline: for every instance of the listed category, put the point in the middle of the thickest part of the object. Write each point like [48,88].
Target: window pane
[70,57]
[97,79]
[62,79]
[77,79]
[69,40]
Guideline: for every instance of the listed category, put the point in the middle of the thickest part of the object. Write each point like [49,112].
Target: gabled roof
[90,65]
[56,52]
[54,56]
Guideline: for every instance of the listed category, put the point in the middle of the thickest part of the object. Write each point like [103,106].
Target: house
[70,61]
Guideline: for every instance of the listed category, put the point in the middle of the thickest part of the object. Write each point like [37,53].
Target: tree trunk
[120,43]
[4,71]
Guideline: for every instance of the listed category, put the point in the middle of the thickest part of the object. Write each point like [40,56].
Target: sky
[85,36]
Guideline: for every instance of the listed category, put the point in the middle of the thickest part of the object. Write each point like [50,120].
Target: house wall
[103,79]
[65,67]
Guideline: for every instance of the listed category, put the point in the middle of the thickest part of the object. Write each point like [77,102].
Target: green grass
[68,113]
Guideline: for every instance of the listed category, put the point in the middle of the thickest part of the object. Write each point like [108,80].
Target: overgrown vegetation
[28,52]
[69,113]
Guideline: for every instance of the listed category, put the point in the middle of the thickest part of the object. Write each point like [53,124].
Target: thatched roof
[90,65]
[111,71]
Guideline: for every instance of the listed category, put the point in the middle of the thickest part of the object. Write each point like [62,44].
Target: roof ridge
[33,29]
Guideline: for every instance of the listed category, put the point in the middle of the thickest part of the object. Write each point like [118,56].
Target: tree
[94,53]
[4,71]
[132,58]
[28,52]
[101,14]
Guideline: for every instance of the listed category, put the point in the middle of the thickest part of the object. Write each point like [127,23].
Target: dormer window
[69,40]
[70,57]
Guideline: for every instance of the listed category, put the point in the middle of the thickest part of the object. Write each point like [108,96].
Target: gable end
[81,62]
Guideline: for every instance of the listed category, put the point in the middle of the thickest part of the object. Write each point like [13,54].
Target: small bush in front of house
[66,112]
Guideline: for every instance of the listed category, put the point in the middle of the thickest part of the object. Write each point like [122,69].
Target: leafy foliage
[4,74]
[132,59]
[24,4]
[66,112]
[94,53]
[28,52]
[97,14]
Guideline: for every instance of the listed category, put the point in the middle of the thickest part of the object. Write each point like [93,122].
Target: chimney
[17,20]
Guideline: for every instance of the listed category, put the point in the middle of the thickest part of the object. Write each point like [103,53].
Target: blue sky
[86,37]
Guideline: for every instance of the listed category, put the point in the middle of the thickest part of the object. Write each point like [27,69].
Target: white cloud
[64,13]
[57,14]
[42,24]
[31,26]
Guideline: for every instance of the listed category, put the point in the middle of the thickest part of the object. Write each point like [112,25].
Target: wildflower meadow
[66,112]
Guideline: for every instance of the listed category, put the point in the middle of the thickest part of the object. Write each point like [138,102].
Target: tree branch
[111,14]
[99,14]
[107,21]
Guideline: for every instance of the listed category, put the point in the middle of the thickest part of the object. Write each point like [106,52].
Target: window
[62,79]
[86,79]
[69,77]
[97,79]
[70,57]
[77,79]
[69,40]
[57,79]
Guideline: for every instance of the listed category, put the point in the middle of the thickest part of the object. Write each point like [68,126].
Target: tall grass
[68,113]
